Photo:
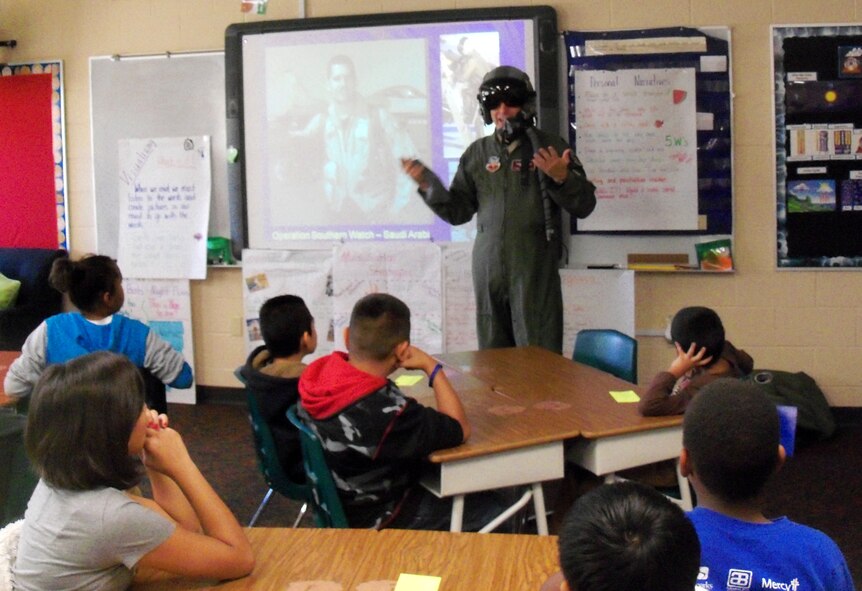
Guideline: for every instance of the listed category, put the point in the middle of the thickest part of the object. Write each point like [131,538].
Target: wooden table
[363,560]
[6,359]
[563,401]
[510,445]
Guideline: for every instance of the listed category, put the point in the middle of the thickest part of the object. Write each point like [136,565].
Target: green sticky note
[625,396]
[407,380]
[417,583]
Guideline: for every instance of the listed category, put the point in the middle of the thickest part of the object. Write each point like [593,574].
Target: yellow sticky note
[625,396]
[407,380]
[417,583]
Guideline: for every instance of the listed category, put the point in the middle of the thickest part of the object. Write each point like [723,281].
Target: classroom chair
[608,350]
[17,478]
[617,353]
[788,418]
[328,511]
[267,458]
[155,391]
[35,301]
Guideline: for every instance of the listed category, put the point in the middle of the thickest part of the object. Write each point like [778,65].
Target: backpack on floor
[798,389]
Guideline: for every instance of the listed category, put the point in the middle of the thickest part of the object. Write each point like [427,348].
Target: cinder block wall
[786,320]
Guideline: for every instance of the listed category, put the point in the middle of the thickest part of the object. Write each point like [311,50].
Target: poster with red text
[637,140]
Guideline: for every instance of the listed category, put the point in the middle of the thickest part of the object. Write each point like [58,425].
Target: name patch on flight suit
[517,165]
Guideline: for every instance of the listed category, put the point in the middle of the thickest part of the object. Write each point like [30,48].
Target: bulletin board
[32,156]
[650,115]
[818,145]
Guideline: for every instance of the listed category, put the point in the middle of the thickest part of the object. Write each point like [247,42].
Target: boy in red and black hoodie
[376,438]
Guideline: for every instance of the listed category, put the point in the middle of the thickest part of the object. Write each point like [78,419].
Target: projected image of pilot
[361,144]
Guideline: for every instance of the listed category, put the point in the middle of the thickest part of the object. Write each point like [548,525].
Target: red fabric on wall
[28,212]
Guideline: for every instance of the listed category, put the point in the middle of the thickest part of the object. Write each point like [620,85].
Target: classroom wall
[799,320]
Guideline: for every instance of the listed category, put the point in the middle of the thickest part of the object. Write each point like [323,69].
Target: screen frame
[546,79]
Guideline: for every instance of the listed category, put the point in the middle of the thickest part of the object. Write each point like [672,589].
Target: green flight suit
[515,268]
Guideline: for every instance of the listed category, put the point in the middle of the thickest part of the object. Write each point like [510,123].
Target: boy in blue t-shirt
[730,450]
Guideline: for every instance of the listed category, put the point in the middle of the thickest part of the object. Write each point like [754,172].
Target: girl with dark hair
[95,286]
[90,438]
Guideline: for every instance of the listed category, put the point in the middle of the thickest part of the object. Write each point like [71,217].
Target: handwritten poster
[411,272]
[596,299]
[436,282]
[637,139]
[459,326]
[164,193]
[304,273]
[164,305]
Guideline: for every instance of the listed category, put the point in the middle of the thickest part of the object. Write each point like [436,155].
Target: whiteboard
[169,95]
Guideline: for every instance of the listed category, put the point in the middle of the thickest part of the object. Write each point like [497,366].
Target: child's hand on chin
[164,451]
[416,358]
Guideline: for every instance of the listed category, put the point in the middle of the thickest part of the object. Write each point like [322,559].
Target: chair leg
[519,504]
[685,500]
[263,504]
[457,520]
[539,509]
[299,517]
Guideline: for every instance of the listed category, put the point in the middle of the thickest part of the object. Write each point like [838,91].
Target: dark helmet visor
[514,95]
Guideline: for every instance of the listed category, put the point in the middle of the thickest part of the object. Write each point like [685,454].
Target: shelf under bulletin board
[650,115]
[818,145]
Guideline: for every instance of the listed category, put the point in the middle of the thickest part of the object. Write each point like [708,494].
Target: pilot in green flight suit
[518,244]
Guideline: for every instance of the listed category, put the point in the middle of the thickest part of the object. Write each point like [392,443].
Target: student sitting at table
[702,355]
[87,432]
[626,537]
[95,287]
[731,434]
[272,372]
[375,437]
